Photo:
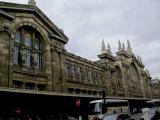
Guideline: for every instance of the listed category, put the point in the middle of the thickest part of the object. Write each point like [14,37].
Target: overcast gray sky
[87,22]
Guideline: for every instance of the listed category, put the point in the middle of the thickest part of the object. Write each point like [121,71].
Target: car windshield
[95,108]
[150,105]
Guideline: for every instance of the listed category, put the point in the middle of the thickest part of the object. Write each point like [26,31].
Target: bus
[154,108]
[155,103]
[108,106]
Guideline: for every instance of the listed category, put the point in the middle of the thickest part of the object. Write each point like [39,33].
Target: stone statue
[32,2]
[23,55]
[35,59]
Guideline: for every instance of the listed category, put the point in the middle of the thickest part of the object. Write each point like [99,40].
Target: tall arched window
[73,72]
[28,48]
[134,78]
[80,73]
[67,70]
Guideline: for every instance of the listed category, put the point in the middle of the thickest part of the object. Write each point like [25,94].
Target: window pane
[27,57]
[17,37]
[38,60]
[28,48]
[67,69]
[28,40]
[16,54]
[37,44]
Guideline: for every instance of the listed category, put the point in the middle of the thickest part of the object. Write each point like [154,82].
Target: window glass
[28,40]
[16,54]
[67,69]
[37,44]
[27,57]
[73,71]
[39,60]
[27,49]
[17,37]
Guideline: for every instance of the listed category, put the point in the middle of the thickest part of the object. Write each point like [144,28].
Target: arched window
[67,69]
[80,73]
[134,78]
[86,74]
[28,48]
[73,72]
[90,76]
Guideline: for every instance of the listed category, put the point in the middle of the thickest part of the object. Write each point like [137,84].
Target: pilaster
[57,64]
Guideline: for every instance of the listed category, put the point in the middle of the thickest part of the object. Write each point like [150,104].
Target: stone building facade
[33,57]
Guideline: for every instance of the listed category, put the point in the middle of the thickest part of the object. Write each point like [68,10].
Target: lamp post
[103,106]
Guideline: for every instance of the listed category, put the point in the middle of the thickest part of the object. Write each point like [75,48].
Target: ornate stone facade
[33,57]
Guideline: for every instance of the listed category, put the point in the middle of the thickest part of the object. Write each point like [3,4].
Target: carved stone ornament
[23,55]
[123,64]
[129,49]
[32,2]
[59,50]
[5,29]
[35,59]
[119,46]
[103,47]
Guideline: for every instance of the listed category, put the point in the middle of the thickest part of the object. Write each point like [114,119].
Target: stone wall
[123,75]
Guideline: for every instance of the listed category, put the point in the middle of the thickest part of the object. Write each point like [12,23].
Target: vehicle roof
[154,100]
[109,100]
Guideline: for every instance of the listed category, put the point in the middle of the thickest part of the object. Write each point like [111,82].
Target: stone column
[53,67]
[62,70]
[11,59]
[4,58]
[127,82]
[106,81]
[48,67]
[142,84]
[129,90]
[57,64]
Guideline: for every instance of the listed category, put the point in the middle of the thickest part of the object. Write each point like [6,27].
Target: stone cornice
[37,11]
[82,59]
[141,65]
[8,16]
[123,53]
[105,55]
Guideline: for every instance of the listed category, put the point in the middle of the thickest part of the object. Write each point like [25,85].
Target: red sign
[78,103]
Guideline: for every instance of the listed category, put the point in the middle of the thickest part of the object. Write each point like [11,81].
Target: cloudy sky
[87,22]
